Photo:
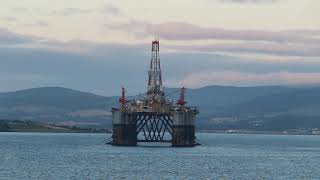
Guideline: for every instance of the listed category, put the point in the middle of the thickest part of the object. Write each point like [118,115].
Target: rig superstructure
[154,118]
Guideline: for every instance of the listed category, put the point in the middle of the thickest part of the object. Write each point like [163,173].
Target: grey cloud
[72,11]
[233,78]
[96,70]
[186,31]
[304,32]
[111,9]
[8,38]
[78,46]
[98,63]
[37,24]
[137,28]
[19,9]
[108,8]
[9,19]
[299,50]
[249,1]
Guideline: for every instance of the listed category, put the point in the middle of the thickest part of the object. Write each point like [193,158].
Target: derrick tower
[154,119]
[155,94]
[155,77]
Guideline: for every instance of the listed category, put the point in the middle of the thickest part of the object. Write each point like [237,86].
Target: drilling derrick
[155,93]
[155,78]
[154,119]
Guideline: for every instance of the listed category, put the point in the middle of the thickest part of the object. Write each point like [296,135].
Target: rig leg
[124,129]
[183,130]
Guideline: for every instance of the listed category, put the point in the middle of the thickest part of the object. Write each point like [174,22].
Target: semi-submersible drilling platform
[154,118]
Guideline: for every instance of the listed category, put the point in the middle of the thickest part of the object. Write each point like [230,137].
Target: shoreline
[199,132]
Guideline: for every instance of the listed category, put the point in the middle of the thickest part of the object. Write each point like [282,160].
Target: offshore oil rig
[154,118]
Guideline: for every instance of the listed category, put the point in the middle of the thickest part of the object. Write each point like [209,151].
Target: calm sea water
[222,156]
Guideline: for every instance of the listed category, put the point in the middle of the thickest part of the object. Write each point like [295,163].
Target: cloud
[202,79]
[249,1]
[298,50]
[37,24]
[111,9]
[16,21]
[9,38]
[8,19]
[78,46]
[138,28]
[72,11]
[108,8]
[19,9]
[55,61]
[304,32]
[186,31]
[302,43]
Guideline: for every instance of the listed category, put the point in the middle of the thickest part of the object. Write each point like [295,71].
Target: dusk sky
[99,46]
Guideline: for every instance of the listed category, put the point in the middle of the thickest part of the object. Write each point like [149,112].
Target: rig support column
[183,130]
[124,128]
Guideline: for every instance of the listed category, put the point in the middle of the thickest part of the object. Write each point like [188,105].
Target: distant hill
[221,107]
[53,96]
[299,101]
[55,104]
[290,109]
[224,96]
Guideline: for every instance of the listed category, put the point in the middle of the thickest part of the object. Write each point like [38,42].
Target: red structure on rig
[181,100]
[122,99]
[154,118]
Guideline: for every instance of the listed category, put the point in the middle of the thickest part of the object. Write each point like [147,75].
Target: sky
[100,45]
